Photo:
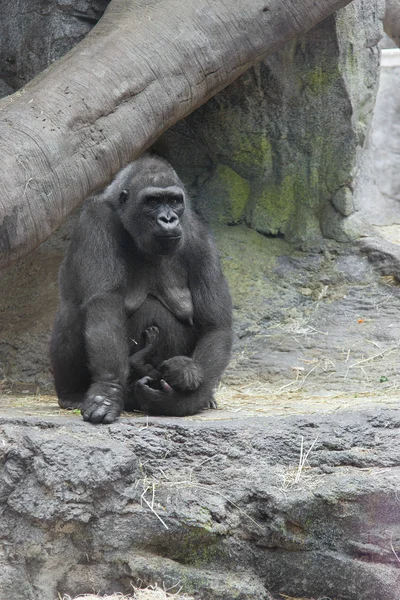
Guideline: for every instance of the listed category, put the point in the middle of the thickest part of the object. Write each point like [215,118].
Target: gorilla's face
[152,216]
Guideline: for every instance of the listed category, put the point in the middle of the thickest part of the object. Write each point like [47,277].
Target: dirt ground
[313,332]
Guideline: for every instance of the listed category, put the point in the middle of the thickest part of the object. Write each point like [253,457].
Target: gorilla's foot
[71,401]
[151,336]
[103,403]
[182,373]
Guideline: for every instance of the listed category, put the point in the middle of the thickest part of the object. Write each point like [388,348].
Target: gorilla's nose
[168,222]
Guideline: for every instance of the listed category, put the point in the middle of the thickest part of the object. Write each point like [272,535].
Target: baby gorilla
[145,313]
[179,372]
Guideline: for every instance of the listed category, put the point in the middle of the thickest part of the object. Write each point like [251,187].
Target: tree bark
[146,65]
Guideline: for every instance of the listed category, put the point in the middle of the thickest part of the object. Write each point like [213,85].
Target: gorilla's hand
[103,403]
[182,373]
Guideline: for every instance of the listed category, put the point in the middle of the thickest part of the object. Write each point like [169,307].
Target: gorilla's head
[151,203]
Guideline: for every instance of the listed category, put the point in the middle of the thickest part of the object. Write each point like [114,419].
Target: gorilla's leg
[171,402]
[68,357]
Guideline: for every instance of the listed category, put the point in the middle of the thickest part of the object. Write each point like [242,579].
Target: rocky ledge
[230,508]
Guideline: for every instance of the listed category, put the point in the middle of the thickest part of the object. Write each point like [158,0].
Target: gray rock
[293,127]
[342,230]
[34,33]
[378,191]
[214,506]
[342,200]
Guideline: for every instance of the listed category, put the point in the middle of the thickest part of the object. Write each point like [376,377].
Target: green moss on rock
[273,206]
[224,197]
[252,150]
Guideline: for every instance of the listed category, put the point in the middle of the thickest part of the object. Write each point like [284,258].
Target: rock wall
[280,147]
[219,509]
[35,33]
[379,179]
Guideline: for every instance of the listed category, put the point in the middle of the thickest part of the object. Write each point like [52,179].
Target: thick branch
[146,65]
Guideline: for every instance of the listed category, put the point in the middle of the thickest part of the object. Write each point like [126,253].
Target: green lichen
[248,259]
[252,150]
[237,194]
[274,206]
[224,197]
[196,547]
[320,78]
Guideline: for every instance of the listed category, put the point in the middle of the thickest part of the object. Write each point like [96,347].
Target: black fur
[145,313]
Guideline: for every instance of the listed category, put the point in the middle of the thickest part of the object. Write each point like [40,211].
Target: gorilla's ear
[123,197]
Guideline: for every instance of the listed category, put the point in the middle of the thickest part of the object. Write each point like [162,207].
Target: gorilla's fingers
[165,386]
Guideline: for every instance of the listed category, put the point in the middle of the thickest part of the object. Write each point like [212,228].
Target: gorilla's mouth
[168,243]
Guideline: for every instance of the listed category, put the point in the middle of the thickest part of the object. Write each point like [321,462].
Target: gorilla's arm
[95,274]
[107,350]
[212,309]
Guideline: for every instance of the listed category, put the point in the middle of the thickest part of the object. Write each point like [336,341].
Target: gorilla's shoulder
[97,209]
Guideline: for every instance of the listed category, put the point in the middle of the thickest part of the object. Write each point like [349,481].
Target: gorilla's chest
[168,285]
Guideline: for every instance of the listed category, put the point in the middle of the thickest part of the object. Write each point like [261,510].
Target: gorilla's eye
[152,201]
[175,200]
[123,196]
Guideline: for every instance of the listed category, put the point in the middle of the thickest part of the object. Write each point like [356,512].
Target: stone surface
[293,127]
[224,510]
[378,194]
[34,33]
[342,200]
[392,20]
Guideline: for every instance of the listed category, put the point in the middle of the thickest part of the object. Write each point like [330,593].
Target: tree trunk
[146,65]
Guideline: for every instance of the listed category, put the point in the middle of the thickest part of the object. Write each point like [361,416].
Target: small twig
[153,511]
[309,373]
[303,458]
[147,424]
[364,360]
[393,550]
[287,385]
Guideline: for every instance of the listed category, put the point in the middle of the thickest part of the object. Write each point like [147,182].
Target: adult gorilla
[145,313]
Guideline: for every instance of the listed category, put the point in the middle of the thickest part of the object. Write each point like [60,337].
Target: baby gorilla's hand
[182,373]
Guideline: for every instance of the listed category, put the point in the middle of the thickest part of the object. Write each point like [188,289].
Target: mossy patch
[274,206]
[224,196]
[248,259]
[318,79]
[252,150]
[237,192]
